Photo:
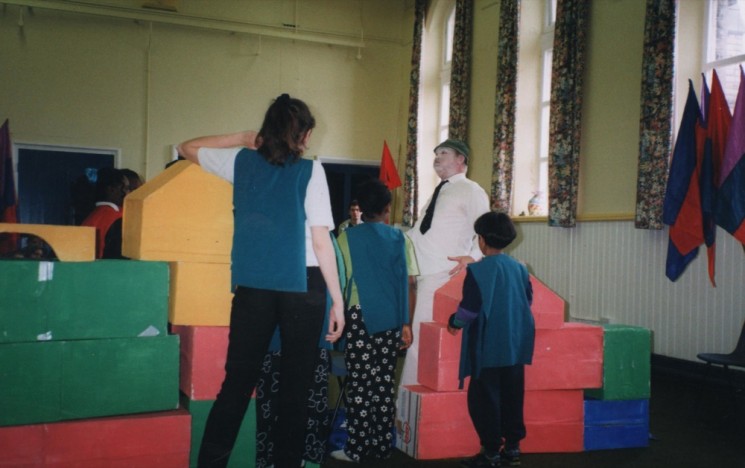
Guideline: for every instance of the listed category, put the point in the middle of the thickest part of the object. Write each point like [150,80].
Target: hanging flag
[682,205]
[730,213]
[388,171]
[716,128]
[8,243]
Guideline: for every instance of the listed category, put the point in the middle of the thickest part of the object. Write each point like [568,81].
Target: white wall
[609,270]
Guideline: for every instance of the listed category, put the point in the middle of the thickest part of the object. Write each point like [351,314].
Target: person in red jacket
[111,188]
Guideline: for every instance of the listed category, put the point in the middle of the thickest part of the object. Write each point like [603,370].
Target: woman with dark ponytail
[283,263]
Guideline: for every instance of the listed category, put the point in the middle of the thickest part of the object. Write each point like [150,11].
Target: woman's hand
[407,337]
[336,323]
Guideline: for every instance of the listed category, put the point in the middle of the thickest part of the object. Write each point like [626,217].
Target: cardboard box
[43,301]
[244,451]
[616,424]
[570,357]
[203,353]
[70,243]
[155,439]
[200,294]
[626,363]
[65,380]
[183,214]
[434,425]
[439,358]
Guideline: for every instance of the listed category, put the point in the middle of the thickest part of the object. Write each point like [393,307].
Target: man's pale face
[355,214]
[447,163]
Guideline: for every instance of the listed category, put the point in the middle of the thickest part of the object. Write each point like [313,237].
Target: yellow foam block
[200,294]
[70,243]
[183,214]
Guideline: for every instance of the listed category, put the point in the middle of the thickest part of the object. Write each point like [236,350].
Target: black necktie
[427,221]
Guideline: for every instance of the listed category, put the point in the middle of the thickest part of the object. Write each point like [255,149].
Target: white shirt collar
[105,203]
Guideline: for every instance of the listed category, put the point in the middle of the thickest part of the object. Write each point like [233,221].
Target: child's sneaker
[511,456]
[481,461]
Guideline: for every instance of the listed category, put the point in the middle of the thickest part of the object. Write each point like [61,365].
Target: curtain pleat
[460,75]
[655,123]
[410,208]
[570,37]
[503,153]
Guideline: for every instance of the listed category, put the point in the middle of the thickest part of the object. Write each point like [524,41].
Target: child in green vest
[498,339]
[379,263]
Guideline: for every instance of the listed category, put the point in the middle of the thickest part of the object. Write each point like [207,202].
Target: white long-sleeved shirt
[460,202]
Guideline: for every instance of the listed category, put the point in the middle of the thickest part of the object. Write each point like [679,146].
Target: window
[724,36]
[536,36]
[445,69]
[539,208]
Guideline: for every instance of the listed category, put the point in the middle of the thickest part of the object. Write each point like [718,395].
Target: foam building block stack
[568,359]
[168,220]
[617,414]
[83,340]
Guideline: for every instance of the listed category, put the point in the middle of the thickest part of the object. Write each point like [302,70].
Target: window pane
[730,29]
[445,105]
[449,34]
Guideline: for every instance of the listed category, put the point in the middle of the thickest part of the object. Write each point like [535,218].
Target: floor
[685,431]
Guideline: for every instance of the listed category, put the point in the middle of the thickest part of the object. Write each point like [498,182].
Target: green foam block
[64,380]
[626,363]
[244,451]
[45,301]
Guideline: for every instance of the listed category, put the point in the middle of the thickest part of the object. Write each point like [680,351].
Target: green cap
[456,145]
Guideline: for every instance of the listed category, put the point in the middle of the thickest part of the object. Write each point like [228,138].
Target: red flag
[7,190]
[731,196]
[388,171]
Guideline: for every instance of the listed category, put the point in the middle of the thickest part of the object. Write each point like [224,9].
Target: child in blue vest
[379,262]
[498,338]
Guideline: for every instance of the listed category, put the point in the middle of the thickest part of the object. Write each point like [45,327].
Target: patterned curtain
[655,124]
[411,195]
[460,75]
[570,35]
[504,108]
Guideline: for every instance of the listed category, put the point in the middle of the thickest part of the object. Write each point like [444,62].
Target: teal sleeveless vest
[269,223]
[379,270]
[503,334]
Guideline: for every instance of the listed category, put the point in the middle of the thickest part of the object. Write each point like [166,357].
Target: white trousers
[425,295]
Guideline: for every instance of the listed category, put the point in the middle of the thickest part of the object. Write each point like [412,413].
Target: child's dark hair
[106,178]
[497,229]
[373,196]
[285,124]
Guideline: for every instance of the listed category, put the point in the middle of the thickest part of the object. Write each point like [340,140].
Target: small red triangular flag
[388,171]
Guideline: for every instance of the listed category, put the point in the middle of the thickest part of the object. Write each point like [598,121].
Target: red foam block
[547,307]
[155,439]
[570,357]
[439,358]
[203,352]
[435,425]
[554,406]
[553,437]
[447,298]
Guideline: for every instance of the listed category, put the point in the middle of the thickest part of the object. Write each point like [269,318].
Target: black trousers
[254,316]
[495,404]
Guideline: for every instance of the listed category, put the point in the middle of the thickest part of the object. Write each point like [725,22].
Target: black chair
[338,370]
[734,359]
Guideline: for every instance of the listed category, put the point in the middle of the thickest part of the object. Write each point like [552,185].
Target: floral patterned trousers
[370,403]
